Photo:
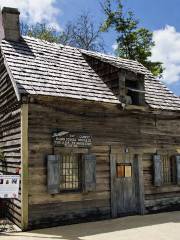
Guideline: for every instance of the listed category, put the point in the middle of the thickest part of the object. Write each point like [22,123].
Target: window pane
[128,171]
[124,170]
[120,170]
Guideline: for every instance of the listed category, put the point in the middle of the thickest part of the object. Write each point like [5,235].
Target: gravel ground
[164,226]
[7,226]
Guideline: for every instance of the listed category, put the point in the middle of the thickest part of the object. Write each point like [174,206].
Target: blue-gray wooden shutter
[178,169]
[89,172]
[53,173]
[157,170]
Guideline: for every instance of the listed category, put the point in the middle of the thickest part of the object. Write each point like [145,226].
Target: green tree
[41,31]
[81,33]
[132,42]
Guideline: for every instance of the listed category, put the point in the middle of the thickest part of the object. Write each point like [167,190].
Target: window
[71,172]
[70,169]
[134,93]
[123,170]
[168,170]
[165,170]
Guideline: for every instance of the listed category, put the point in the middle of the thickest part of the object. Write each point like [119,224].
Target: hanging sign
[67,139]
[9,186]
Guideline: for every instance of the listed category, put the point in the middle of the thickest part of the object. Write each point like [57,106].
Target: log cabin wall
[110,127]
[10,136]
[64,207]
[165,197]
[161,198]
[166,136]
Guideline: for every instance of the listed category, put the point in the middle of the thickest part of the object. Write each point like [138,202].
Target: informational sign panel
[9,186]
[67,139]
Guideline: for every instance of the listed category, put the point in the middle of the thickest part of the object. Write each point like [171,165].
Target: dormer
[127,85]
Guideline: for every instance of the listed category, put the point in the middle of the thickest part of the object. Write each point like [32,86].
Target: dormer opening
[134,92]
[131,88]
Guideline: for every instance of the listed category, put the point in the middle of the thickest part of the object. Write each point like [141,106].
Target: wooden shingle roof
[42,68]
[157,95]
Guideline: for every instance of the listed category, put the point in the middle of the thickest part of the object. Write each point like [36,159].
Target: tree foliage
[132,42]
[82,33]
[41,31]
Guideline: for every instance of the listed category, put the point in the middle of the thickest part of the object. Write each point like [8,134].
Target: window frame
[124,166]
[135,90]
[165,170]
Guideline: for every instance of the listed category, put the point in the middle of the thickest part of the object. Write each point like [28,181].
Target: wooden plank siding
[164,197]
[63,207]
[108,126]
[10,136]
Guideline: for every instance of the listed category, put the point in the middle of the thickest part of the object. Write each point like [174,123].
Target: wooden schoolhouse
[93,136]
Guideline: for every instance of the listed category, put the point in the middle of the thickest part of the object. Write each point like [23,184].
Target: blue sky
[160,16]
[153,14]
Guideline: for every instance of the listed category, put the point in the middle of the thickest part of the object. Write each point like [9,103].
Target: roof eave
[12,79]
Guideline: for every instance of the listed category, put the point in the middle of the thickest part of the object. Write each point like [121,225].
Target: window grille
[70,168]
[168,170]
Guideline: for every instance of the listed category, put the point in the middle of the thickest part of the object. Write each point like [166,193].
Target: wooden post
[122,88]
[140,182]
[113,179]
[141,88]
[24,166]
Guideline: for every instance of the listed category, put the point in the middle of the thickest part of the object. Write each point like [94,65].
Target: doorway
[125,185]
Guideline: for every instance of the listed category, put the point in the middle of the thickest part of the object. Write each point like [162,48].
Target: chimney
[9,24]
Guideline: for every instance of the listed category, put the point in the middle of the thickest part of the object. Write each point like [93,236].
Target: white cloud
[167,50]
[114,46]
[33,11]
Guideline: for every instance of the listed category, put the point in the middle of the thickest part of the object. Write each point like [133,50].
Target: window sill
[136,107]
[70,191]
[169,185]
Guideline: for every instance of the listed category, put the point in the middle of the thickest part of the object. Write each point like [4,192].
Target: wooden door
[124,185]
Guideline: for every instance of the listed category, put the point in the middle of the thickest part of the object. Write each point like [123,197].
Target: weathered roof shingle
[43,68]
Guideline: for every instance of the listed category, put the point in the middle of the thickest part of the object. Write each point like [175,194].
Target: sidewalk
[164,226]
